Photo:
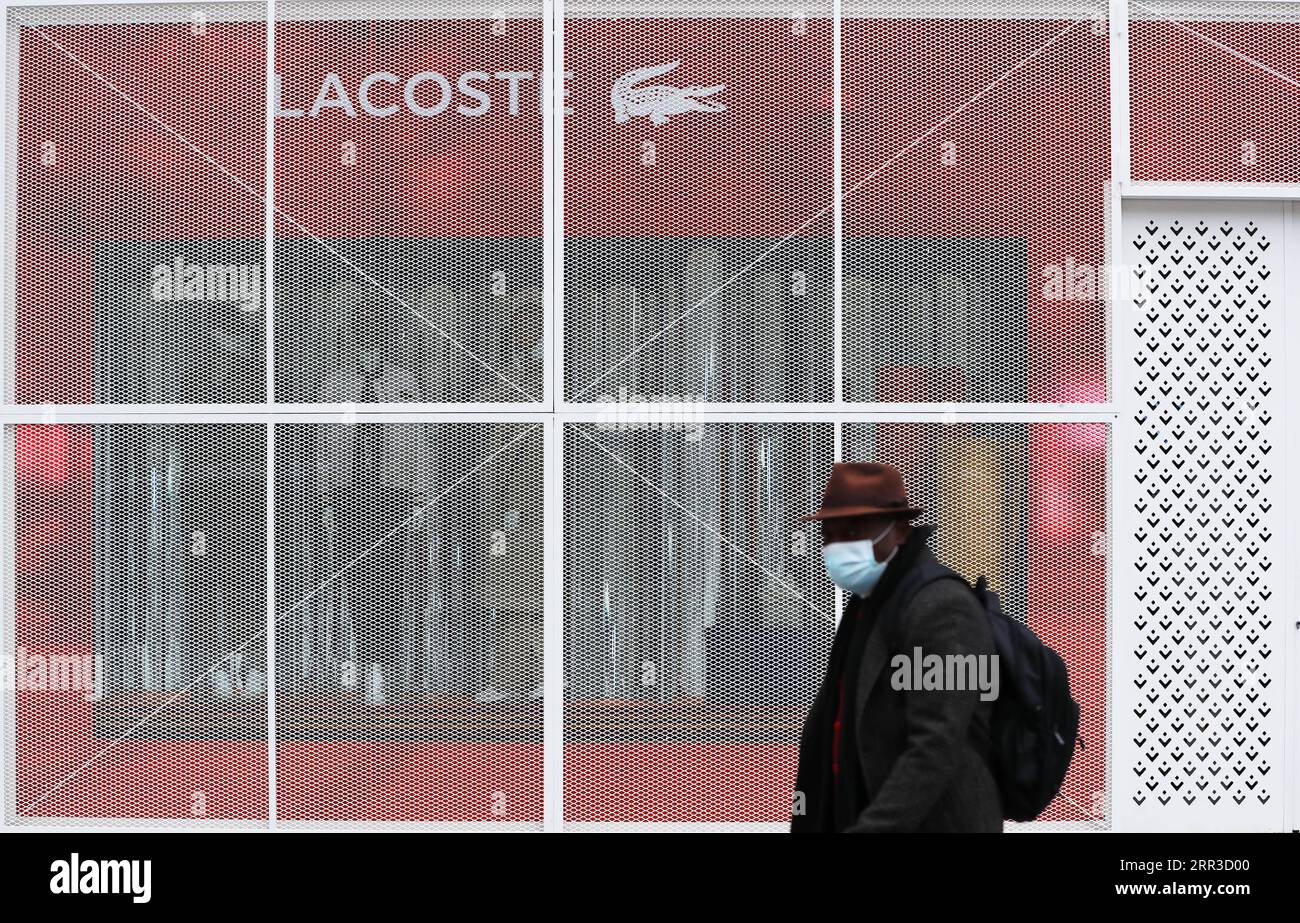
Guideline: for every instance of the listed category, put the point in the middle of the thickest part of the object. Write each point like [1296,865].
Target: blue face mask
[853,567]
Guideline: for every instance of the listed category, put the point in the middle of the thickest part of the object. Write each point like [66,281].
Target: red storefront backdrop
[158,135]
[1023,104]
[1215,101]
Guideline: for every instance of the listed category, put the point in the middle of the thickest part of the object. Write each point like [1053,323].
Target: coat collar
[877,648]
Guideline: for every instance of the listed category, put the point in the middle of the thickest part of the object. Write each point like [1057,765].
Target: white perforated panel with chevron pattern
[1199,647]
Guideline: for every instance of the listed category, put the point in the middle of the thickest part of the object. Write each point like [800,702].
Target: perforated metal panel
[1199,738]
[697,203]
[409,612]
[409,202]
[1025,505]
[139,164]
[697,618]
[1213,91]
[976,154]
[139,607]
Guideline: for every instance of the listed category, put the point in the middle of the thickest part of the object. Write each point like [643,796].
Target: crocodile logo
[658,101]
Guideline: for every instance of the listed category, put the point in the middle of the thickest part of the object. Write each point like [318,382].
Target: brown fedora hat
[864,489]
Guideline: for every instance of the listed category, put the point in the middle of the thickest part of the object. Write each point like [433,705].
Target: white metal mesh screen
[409,621]
[409,203]
[139,635]
[698,247]
[1023,504]
[698,256]
[1213,91]
[140,159]
[976,156]
[697,618]
[1198,735]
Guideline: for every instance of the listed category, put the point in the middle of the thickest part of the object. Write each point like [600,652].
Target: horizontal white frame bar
[1056,826]
[389,11]
[1217,11]
[34,413]
[1036,826]
[374,8]
[276,417]
[98,12]
[865,8]
[407,826]
[668,827]
[134,825]
[181,11]
[594,409]
[842,416]
[1145,189]
[62,413]
[853,9]
[540,419]
[19,4]
[172,825]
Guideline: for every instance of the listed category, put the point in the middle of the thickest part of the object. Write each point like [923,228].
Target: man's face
[856,528]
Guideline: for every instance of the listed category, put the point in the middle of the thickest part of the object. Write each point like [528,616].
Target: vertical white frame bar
[1114,249]
[8,237]
[553,442]
[272,733]
[268,204]
[1117,587]
[552,100]
[837,204]
[8,704]
[1120,165]
[553,166]
[1290,537]
[9,63]
[268,276]
[837,454]
[1111,571]
[553,629]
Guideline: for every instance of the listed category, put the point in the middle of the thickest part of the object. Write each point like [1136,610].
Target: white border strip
[1289,321]
[553,512]
[1120,150]
[8,231]
[1146,189]
[8,700]
[837,192]
[172,825]
[207,413]
[268,295]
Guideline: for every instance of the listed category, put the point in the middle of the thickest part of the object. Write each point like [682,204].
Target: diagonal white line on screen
[830,205]
[260,198]
[622,462]
[420,511]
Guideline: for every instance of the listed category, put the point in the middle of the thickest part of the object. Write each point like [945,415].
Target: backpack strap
[883,638]
[927,571]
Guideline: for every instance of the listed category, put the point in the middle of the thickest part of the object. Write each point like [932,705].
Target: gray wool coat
[923,753]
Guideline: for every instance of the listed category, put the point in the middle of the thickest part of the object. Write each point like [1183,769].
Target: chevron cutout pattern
[1206,733]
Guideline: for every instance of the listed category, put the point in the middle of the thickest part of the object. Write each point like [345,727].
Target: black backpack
[1035,720]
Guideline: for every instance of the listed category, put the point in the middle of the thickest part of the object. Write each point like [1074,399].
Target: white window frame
[553,411]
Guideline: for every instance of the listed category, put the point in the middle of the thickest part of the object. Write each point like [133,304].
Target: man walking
[873,758]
